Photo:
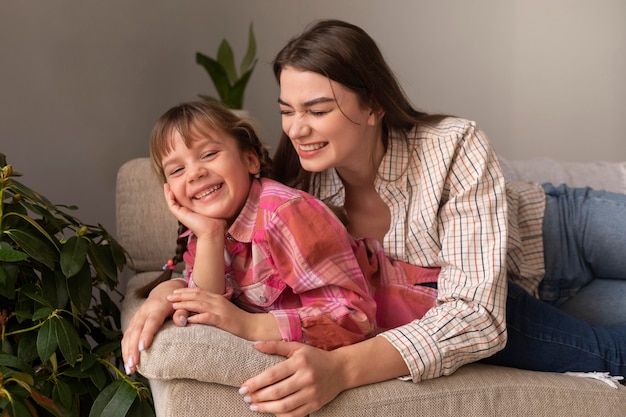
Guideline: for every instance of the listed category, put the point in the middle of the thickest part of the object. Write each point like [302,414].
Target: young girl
[280,264]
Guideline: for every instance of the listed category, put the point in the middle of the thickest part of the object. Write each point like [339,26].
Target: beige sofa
[197,370]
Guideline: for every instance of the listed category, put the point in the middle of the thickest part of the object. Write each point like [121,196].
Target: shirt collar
[243,227]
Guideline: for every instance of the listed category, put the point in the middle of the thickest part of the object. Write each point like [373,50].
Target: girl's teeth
[312,147]
[207,192]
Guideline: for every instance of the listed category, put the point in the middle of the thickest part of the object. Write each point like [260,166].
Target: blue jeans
[584,236]
[544,338]
[584,240]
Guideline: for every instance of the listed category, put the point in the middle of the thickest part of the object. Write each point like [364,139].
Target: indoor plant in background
[59,328]
[230,84]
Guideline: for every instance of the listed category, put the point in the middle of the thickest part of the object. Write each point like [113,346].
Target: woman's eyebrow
[319,100]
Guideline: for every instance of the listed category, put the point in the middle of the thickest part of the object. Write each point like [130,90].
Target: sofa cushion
[146,229]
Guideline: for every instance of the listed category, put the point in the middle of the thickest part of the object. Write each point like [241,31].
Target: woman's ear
[376,114]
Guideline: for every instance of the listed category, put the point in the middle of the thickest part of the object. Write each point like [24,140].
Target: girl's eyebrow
[320,100]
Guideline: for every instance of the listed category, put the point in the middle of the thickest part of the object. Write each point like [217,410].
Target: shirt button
[230,238]
[263,299]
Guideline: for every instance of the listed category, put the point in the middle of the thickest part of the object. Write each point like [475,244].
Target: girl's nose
[196,172]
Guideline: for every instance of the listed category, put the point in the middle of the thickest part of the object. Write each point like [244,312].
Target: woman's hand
[146,322]
[216,310]
[306,381]
[310,378]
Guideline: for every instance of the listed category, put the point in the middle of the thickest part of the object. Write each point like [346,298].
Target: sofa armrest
[200,352]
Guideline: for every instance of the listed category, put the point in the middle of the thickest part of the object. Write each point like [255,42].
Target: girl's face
[212,176]
[327,124]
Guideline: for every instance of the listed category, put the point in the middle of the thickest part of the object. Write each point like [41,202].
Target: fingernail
[183,320]
[254,407]
[142,346]
[131,362]
[243,390]
[127,369]
[247,399]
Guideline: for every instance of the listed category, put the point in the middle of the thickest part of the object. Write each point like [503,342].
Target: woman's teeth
[207,192]
[313,146]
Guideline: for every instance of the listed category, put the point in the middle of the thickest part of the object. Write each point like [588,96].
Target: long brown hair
[189,119]
[346,54]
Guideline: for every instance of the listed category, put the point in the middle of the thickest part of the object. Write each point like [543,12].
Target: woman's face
[210,177]
[326,123]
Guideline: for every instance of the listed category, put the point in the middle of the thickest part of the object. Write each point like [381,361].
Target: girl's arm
[208,266]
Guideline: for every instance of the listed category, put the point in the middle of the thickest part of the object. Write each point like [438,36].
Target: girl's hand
[146,322]
[216,310]
[200,225]
[306,381]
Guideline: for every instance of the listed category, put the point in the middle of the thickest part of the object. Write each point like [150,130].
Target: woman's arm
[310,378]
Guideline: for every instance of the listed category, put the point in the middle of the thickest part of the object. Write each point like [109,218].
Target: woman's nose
[299,127]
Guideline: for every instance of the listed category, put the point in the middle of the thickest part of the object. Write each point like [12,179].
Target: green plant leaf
[27,347]
[16,409]
[14,362]
[98,376]
[10,255]
[217,73]
[62,393]
[20,188]
[47,340]
[236,92]
[118,252]
[115,400]
[54,287]
[248,61]
[141,408]
[41,313]
[73,255]
[80,288]
[34,247]
[68,340]
[226,59]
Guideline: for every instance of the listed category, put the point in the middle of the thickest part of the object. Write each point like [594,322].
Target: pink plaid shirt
[287,254]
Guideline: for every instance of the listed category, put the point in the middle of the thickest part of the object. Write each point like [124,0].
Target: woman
[431,189]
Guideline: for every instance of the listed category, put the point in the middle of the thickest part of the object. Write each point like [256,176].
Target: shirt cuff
[288,324]
[418,350]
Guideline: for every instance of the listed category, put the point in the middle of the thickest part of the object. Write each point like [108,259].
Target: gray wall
[83,82]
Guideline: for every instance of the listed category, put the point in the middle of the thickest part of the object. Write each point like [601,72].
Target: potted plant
[229,83]
[59,328]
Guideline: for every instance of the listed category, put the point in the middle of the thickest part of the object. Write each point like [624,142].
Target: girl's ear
[252,161]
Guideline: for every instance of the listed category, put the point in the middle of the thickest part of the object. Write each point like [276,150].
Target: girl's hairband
[169,265]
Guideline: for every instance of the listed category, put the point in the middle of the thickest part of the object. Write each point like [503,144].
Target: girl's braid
[181,247]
